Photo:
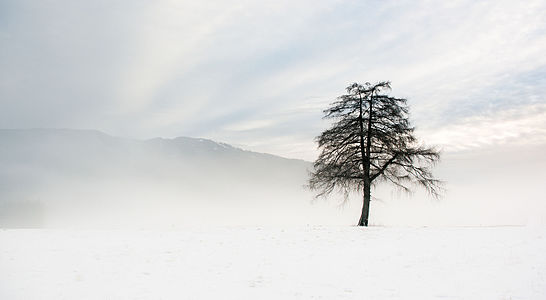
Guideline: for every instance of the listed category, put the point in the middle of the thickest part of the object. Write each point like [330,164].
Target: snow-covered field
[275,263]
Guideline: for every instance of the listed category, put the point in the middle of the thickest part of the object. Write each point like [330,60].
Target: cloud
[243,71]
[249,125]
[523,126]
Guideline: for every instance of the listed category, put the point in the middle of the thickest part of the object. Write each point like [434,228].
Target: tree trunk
[365,206]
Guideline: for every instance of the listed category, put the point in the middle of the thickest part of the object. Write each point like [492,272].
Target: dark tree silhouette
[371,141]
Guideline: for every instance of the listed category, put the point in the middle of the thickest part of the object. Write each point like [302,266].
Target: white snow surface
[275,263]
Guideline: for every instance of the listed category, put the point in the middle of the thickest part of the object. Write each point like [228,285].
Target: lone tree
[371,141]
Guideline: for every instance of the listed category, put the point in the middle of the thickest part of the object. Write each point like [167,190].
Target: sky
[257,74]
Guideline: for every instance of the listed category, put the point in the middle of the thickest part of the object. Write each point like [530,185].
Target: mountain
[59,177]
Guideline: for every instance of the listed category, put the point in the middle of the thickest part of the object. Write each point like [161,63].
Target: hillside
[55,177]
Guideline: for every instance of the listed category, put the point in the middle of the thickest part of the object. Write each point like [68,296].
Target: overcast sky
[258,74]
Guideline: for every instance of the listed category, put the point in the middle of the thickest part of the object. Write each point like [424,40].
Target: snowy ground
[274,263]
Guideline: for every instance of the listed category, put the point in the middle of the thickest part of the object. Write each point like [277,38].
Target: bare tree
[371,141]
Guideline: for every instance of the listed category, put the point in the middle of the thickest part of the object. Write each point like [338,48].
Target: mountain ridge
[101,134]
[48,175]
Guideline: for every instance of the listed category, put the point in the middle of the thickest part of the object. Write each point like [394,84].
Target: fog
[88,179]
[75,178]
[490,186]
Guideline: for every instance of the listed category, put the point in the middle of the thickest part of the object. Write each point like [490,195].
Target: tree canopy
[371,141]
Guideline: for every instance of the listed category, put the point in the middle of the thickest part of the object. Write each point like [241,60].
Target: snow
[275,263]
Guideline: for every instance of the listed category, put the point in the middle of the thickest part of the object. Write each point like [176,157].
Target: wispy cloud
[516,126]
[249,125]
[260,73]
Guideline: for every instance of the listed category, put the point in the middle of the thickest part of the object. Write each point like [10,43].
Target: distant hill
[55,177]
